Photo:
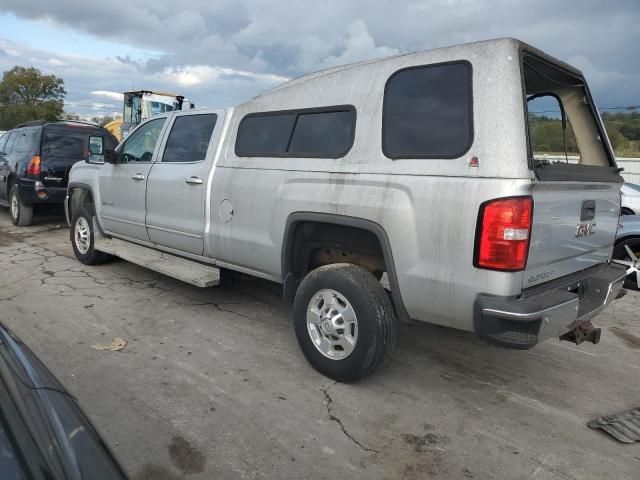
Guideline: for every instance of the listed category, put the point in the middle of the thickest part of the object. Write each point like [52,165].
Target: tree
[103,120]
[26,94]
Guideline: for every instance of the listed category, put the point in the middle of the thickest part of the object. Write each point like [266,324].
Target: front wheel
[344,322]
[83,238]
[21,215]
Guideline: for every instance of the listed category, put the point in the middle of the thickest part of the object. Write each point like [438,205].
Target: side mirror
[96,150]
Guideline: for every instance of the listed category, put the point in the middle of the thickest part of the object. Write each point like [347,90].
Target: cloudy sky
[222,52]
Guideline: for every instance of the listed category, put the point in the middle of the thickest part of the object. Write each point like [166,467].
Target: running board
[173,266]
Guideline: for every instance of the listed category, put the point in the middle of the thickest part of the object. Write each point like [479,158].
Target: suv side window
[141,144]
[427,112]
[25,140]
[11,136]
[189,138]
[325,132]
[3,142]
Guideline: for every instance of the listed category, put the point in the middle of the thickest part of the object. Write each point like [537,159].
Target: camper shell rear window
[566,138]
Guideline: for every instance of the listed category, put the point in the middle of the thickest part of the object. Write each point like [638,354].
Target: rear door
[576,196]
[123,184]
[179,181]
[4,165]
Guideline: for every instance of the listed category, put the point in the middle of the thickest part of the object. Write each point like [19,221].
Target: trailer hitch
[585,332]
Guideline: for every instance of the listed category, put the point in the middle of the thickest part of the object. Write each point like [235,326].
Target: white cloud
[105,93]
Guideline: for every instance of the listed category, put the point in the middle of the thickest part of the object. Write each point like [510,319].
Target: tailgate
[573,227]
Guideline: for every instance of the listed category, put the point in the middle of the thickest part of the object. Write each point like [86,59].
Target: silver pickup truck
[406,188]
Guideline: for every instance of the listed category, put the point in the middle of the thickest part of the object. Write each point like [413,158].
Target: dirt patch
[630,339]
[185,457]
[9,238]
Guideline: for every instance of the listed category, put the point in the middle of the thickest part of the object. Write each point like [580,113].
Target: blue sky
[224,52]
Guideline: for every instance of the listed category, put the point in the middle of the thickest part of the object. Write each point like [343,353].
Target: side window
[25,140]
[427,112]
[141,143]
[3,142]
[12,136]
[189,138]
[322,132]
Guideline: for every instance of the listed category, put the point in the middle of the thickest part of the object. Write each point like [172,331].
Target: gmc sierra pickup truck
[420,169]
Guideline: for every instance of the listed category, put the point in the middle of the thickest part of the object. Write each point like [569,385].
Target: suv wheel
[344,322]
[82,238]
[21,215]
[620,253]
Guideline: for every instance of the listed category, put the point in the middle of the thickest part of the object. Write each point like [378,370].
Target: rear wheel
[83,238]
[344,322]
[21,215]
[621,253]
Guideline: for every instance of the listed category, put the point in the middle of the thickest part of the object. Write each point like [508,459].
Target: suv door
[123,184]
[5,170]
[178,183]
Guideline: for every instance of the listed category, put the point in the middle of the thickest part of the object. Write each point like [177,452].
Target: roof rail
[39,123]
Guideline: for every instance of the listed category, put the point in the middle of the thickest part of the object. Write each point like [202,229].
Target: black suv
[35,159]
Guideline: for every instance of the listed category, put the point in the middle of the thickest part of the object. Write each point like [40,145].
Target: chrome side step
[173,266]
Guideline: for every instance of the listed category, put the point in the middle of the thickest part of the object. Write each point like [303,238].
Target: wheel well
[314,244]
[626,211]
[10,181]
[79,197]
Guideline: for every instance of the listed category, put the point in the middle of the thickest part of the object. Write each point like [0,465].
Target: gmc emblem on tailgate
[585,229]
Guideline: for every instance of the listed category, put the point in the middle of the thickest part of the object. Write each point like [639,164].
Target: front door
[123,184]
[178,182]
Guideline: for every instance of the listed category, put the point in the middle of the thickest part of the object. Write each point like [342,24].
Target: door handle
[194,180]
[138,176]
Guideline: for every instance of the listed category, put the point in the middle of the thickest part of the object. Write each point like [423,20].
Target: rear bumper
[28,189]
[546,313]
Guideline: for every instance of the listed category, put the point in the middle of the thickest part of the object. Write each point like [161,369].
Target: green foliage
[26,94]
[623,130]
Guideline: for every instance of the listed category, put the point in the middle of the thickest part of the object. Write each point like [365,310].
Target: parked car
[630,198]
[418,166]
[627,247]
[43,432]
[35,159]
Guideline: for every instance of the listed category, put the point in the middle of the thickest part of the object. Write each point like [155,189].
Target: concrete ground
[212,384]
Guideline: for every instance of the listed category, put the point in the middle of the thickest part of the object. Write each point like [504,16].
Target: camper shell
[440,195]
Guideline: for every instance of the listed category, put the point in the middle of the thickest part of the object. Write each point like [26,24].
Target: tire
[21,215]
[340,293]
[620,253]
[82,238]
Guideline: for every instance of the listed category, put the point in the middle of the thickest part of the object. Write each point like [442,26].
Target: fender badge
[474,162]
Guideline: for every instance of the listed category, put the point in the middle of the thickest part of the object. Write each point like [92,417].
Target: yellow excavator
[140,105]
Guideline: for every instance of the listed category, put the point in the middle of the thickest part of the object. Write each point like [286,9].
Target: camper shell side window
[428,111]
[326,132]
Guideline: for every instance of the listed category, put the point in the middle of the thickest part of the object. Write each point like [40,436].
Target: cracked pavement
[212,384]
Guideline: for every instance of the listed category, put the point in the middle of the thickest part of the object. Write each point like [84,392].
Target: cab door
[179,181]
[123,184]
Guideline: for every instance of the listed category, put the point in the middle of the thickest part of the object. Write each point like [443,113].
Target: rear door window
[26,140]
[3,142]
[189,138]
[10,141]
[63,143]
[427,112]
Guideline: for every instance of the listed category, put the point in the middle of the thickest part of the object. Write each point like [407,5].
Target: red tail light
[33,169]
[504,230]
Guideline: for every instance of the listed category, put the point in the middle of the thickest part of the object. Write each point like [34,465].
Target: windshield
[561,121]
[132,108]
